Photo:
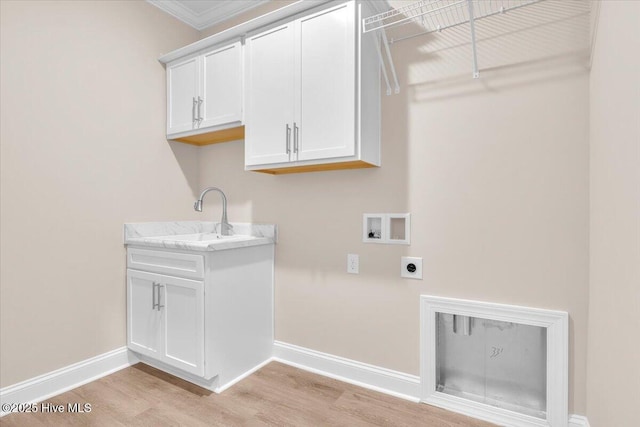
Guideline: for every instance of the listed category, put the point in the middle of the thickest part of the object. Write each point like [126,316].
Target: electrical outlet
[411,267]
[353,263]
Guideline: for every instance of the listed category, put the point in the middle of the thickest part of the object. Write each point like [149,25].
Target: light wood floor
[276,395]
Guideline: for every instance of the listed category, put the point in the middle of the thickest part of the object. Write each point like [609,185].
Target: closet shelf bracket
[381,39]
[474,50]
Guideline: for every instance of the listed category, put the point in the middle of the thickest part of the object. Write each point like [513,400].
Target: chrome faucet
[225,227]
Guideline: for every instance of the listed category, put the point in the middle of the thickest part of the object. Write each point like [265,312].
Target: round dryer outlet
[411,267]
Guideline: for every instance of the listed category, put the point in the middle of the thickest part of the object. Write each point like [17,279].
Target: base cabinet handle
[153,295]
[159,295]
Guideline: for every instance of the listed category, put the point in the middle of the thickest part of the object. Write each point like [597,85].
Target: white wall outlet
[411,267]
[353,263]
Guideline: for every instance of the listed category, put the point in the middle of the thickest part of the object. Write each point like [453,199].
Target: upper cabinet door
[269,102]
[325,104]
[182,93]
[221,84]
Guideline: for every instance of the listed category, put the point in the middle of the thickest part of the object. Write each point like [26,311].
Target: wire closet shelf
[435,16]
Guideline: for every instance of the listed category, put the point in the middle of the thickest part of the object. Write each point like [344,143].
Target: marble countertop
[197,235]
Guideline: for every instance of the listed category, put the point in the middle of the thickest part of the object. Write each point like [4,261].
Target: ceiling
[201,14]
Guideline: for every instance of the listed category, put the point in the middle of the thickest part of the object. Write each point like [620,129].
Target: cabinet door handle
[153,296]
[295,137]
[288,138]
[199,111]
[159,294]
[193,110]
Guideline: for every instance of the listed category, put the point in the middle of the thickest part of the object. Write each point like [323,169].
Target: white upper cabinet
[221,86]
[270,96]
[182,92]
[326,75]
[302,89]
[204,93]
[305,83]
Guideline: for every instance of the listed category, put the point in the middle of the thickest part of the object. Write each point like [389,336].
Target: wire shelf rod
[450,11]
[501,10]
[434,15]
[406,10]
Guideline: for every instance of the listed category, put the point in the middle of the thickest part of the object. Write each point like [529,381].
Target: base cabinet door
[144,322]
[182,307]
[165,319]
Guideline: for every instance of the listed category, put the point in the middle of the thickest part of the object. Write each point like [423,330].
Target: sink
[197,235]
[202,237]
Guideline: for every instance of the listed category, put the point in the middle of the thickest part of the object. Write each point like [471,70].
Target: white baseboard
[384,380]
[223,387]
[578,421]
[53,383]
[211,384]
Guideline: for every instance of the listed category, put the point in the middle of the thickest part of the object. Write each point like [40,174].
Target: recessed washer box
[387,228]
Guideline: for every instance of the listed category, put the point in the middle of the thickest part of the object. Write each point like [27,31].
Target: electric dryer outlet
[411,267]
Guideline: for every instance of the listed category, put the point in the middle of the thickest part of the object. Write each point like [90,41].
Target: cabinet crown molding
[241,30]
[205,15]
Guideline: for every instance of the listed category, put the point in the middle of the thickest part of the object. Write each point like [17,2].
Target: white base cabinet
[210,329]
[167,319]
